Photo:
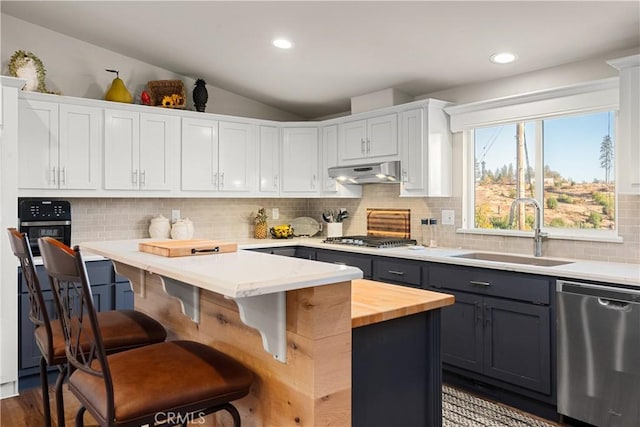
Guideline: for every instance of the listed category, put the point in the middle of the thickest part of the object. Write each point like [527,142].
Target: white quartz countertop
[235,274]
[608,272]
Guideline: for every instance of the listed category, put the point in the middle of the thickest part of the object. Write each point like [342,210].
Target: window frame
[592,97]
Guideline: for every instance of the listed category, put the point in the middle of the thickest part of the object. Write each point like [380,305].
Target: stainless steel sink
[485,256]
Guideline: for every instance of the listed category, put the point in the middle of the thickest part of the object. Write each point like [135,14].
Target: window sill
[586,237]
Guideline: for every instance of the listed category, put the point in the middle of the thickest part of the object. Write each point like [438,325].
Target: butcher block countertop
[373,302]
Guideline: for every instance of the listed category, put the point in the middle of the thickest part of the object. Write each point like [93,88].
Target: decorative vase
[182,229]
[260,230]
[160,228]
[200,95]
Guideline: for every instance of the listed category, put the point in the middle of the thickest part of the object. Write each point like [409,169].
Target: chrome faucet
[537,234]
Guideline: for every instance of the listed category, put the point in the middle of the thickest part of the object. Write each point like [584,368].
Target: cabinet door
[412,150]
[462,337]
[80,141]
[37,144]
[30,354]
[382,136]
[269,160]
[121,150]
[517,343]
[328,158]
[199,154]
[158,139]
[238,147]
[300,160]
[123,296]
[363,262]
[353,140]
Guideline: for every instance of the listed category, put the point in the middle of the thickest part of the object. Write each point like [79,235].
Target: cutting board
[176,248]
[395,223]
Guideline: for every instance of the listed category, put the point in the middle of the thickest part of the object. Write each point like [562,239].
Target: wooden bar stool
[168,383]
[122,329]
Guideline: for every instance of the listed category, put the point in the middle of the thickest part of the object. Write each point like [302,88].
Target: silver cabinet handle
[143,177]
[476,283]
[313,181]
[396,272]
[275,181]
[214,179]
[478,312]
[222,180]
[363,149]
[134,177]
[368,146]
[63,174]
[53,175]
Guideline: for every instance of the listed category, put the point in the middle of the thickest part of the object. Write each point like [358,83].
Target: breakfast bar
[290,321]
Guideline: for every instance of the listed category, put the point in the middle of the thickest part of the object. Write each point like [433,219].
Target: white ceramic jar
[160,227]
[182,229]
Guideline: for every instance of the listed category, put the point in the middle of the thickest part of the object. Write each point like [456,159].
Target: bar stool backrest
[38,313]
[72,293]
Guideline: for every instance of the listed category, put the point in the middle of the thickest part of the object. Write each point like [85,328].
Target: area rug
[460,409]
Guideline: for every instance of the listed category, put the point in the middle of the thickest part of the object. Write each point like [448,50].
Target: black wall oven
[44,218]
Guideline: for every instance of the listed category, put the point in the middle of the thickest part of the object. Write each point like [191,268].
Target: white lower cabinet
[139,152]
[218,156]
[299,161]
[58,146]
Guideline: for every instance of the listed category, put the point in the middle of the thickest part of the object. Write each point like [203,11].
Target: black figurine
[200,95]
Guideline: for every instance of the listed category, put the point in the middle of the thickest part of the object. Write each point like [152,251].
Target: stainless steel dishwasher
[599,353]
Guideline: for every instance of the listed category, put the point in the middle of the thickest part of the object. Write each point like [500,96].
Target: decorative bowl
[281,232]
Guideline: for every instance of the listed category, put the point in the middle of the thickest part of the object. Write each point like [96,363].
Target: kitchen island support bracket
[268,314]
[188,295]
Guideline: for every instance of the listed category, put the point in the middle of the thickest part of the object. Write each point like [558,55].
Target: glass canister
[425,231]
[433,232]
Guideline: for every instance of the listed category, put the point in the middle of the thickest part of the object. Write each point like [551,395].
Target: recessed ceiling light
[282,43]
[503,58]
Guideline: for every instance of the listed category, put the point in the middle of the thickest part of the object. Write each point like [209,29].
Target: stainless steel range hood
[370,173]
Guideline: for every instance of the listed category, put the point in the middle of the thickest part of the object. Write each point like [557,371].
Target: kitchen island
[303,378]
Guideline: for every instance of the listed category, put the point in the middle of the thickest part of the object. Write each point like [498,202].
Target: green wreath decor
[21,59]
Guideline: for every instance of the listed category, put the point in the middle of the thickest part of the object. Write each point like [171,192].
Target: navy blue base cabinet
[397,372]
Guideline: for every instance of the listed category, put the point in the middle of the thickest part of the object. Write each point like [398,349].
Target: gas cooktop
[370,241]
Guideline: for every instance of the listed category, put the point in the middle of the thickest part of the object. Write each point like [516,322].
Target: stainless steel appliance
[599,353]
[370,173]
[370,241]
[40,218]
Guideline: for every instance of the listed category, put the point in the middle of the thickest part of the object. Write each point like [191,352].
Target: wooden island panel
[313,388]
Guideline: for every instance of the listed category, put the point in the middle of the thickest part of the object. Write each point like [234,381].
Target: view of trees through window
[578,175]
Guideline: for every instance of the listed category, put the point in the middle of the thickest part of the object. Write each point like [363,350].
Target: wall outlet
[175,215]
[275,213]
[448,217]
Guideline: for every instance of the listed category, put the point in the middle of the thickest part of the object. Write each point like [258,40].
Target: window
[566,163]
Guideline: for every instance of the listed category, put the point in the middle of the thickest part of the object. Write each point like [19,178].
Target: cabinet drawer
[396,271]
[362,262]
[518,286]
[305,253]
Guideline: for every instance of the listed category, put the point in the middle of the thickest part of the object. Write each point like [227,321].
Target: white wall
[76,68]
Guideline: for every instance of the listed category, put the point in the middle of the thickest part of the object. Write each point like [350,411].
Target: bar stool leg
[44,383]
[234,414]
[59,399]
[80,417]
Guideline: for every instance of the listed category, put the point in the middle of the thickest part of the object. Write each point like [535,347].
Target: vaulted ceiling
[342,49]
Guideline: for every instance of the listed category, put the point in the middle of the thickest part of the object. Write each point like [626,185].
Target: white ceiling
[342,49]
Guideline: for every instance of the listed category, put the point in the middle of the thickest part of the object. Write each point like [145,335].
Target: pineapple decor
[260,228]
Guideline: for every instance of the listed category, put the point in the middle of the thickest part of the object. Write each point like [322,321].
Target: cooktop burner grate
[370,241]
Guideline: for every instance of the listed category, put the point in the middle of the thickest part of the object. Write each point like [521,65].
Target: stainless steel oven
[40,218]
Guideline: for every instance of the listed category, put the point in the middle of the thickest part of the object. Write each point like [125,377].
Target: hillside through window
[566,163]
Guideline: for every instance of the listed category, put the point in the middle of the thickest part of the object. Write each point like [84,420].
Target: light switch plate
[275,213]
[175,215]
[448,217]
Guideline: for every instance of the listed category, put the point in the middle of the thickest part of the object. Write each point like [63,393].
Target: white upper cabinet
[59,146]
[238,151]
[199,154]
[373,139]
[269,164]
[329,158]
[425,143]
[219,156]
[300,160]
[139,150]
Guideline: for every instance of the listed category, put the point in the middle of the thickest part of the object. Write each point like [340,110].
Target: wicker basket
[159,89]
